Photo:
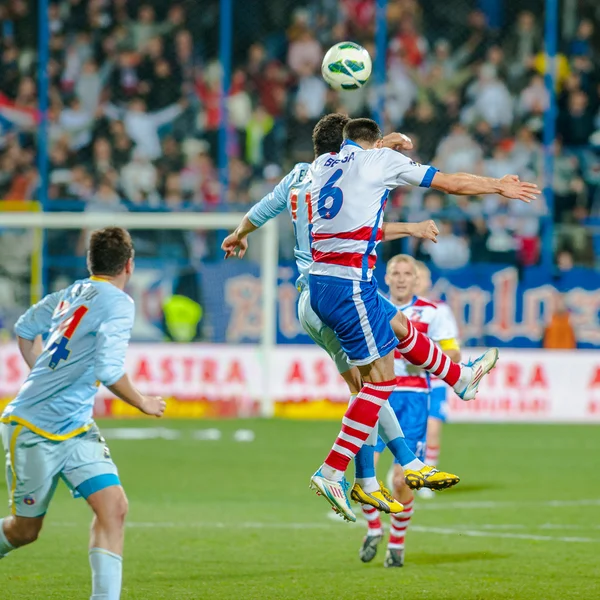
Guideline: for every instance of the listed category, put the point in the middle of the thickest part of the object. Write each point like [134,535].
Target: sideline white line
[434,504]
[301,526]
[500,534]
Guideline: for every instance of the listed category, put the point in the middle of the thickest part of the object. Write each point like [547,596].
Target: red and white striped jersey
[451,343]
[348,195]
[432,322]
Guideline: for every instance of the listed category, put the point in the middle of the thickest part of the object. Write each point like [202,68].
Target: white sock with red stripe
[399,524]
[358,422]
[371,514]
[419,350]
[432,455]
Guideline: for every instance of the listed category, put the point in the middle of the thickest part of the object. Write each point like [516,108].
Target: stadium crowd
[135,108]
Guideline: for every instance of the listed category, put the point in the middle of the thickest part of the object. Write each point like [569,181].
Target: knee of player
[112,508]
[25,531]
[120,508]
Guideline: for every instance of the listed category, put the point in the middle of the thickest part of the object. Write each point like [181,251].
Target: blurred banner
[211,381]
[494,305]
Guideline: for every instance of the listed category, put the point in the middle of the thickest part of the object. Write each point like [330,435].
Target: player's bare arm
[466,184]
[30,349]
[126,391]
[426,230]
[236,243]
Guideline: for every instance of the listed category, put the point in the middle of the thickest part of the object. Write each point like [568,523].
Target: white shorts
[321,335]
[34,465]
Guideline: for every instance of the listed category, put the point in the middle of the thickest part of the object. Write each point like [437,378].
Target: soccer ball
[346,66]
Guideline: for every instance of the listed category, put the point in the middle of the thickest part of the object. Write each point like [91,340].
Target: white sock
[107,574]
[414,465]
[368,484]
[5,545]
[331,473]
[465,377]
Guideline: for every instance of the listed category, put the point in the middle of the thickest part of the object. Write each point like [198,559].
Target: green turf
[231,520]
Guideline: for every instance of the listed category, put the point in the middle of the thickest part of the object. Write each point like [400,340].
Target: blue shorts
[438,404]
[358,314]
[412,410]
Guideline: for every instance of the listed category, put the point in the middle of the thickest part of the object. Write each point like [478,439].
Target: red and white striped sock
[399,524]
[358,422]
[419,350]
[371,515]
[432,455]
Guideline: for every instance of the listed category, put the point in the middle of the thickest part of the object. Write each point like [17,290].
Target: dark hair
[362,130]
[110,249]
[328,133]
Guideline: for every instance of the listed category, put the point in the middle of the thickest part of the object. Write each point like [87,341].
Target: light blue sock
[107,574]
[364,462]
[365,469]
[5,545]
[404,455]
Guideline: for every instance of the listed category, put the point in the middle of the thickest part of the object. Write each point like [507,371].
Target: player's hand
[397,141]
[234,245]
[426,230]
[513,187]
[154,406]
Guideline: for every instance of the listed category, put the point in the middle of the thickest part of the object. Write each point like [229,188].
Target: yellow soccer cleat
[429,477]
[381,499]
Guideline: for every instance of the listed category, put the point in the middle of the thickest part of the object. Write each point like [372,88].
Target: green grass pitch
[226,520]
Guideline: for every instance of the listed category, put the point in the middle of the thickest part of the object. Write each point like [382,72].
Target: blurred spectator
[559,333]
[142,126]
[139,179]
[521,46]
[576,124]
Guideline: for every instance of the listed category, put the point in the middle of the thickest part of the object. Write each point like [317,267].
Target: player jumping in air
[293,193]
[48,432]
[348,196]
[410,401]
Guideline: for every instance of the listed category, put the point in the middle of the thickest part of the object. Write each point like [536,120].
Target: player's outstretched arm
[126,391]
[426,230]
[465,184]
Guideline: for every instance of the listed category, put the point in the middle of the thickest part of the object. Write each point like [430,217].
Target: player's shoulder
[298,175]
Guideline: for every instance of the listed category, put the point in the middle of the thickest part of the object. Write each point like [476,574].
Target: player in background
[438,403]
[349,193]
[292,193]
[48,431]
[410,402]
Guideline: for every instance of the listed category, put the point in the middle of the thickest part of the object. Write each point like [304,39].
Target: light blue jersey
[293,193]
[88,325]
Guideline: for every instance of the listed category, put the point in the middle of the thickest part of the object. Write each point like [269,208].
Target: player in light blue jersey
[48,432]
[293,194]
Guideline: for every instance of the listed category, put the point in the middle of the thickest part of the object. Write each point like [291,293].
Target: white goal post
[190,221]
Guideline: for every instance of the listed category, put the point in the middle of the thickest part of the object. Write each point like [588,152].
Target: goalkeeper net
[205,328]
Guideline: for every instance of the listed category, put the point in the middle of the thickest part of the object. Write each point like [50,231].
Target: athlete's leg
[434,439]
[419,350]
[16,532]
[438,408]
[91,474]
[106,542]
[399,523]
[32,465]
